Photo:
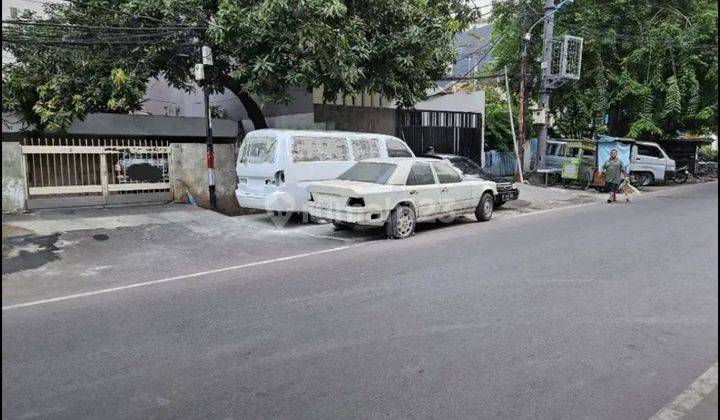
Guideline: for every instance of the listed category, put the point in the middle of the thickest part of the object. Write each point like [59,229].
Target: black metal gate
[458,133]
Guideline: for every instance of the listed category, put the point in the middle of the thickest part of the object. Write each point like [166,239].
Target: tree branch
[251,107]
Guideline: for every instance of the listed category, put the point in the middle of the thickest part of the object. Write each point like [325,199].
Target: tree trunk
[618,125]
[251,107]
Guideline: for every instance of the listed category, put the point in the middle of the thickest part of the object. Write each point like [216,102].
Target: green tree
[498,133]
[97,55]
[649,65]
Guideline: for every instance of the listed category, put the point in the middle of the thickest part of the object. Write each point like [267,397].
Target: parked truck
[650,164]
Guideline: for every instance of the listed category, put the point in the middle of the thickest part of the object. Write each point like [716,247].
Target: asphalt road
[597,312]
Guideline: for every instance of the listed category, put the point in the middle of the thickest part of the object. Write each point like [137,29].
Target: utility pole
[522,100]
[200,75]
[548,27]
[567,68]
[512,126]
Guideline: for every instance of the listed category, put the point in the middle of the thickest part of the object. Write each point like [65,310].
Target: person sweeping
[613,172]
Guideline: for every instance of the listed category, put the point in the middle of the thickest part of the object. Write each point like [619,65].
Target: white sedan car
[398,193]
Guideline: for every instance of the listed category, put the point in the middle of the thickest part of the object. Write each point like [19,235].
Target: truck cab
[649,164]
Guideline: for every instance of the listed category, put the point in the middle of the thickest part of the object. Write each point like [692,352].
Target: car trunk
[337,192]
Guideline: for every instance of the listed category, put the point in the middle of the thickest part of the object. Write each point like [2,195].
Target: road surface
[598,312]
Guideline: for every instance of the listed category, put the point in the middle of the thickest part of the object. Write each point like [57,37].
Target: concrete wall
[129,125]
[189,172]
[13,181]
[305,121]
[358,118]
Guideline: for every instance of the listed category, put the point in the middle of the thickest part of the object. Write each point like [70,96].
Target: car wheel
[552,179]
[585,180]
[401,223]
[681,177]
[342,225]
[646,179]
[484,209]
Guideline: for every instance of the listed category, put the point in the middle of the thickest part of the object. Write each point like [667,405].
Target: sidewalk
[54,250]
[51,253]
[706,409]
[121,240]
[48,222]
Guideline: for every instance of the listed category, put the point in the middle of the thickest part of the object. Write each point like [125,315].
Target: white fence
[69,172]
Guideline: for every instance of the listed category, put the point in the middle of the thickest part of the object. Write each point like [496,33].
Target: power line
[87,35]
[495,44]
[76,26]
[476,51]
[80,4]
[487,77]
[12,40]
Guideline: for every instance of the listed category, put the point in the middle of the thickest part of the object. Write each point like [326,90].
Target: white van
[650,164]
[274,167]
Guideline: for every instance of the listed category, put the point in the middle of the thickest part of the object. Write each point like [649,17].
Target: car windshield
[374,172]
[466,166]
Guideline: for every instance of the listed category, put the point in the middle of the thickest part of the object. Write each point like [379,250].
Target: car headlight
[355,202]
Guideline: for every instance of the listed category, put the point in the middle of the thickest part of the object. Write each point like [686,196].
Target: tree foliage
[97,55]
[649,66]
[498,131]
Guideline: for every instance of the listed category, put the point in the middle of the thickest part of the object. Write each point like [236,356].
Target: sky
[484,5]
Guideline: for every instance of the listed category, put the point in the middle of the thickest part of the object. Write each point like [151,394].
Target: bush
[707,154]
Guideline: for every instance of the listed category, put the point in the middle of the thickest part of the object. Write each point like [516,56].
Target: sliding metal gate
[458,133]
[63,172]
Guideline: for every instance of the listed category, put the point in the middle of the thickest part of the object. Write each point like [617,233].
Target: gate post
[104,176]
[26,178]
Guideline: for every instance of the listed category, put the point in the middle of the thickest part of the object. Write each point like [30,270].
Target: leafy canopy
[97,55]
[649,65]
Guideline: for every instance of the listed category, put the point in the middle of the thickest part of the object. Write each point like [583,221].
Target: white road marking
[253,264]
[184,276]
[685,402]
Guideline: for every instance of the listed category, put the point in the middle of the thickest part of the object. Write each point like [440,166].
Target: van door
[649,158]
[258,161]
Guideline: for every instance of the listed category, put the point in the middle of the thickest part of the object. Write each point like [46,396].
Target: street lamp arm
[558,8]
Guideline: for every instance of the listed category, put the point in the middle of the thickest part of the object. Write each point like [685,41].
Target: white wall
[161,99]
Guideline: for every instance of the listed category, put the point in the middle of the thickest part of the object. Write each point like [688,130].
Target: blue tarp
[500,163]
[606,143]
[533,146]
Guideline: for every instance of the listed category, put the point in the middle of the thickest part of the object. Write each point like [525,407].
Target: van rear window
[258,150]
[307,149]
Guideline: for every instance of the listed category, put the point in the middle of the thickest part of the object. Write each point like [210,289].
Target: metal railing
[64,172]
